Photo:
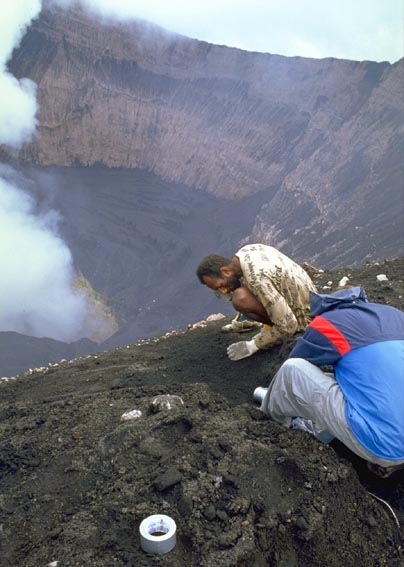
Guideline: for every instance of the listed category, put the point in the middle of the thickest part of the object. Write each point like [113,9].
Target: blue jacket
[365,344]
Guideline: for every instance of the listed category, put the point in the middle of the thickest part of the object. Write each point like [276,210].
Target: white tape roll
[158,534]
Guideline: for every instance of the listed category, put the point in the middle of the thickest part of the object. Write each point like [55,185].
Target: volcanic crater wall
[326,136]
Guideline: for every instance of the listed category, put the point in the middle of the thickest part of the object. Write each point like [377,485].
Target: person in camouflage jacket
[266,286]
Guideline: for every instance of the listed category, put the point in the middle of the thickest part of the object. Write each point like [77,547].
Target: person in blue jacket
[362,402]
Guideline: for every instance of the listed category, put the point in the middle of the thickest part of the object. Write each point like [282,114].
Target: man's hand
[242,349]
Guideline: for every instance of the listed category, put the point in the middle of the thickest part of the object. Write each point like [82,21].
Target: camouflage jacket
[283,288]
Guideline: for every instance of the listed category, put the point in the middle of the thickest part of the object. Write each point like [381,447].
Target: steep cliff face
[349,190]
[326,135]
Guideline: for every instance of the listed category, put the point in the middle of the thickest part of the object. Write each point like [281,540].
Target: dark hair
[210,266]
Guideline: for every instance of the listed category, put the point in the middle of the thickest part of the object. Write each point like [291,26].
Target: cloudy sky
[347,29]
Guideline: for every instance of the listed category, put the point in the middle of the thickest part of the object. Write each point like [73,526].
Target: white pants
[300,389]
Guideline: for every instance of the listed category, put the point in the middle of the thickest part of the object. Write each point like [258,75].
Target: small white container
[158,534]
[259,394]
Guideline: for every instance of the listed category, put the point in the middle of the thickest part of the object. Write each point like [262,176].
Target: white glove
[242,349]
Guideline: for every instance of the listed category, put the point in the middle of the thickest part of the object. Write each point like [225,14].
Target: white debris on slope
[209,319]
[343,281]
[131,414]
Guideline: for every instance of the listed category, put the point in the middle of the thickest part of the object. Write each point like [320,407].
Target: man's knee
[291,363]
[245,302]
[242,299]
[280,402]
[299,366]
[293,378]
[290,369]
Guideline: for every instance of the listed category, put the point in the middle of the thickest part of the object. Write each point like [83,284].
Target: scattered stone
[302,524]
[215,317]
[166,402]
[171,477]
[226,541]
[221,514]
[198,324]
[372,521]
[185,505]
[210,512]
[332,476]
[343,281]
[282,529]
[131,414]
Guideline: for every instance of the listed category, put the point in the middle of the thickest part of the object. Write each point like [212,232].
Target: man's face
[225,284]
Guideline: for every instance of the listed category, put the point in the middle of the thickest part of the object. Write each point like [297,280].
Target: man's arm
[269,335]
[284,322]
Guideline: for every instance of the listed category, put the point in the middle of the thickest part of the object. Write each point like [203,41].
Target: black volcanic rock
[243,490]
[326,136]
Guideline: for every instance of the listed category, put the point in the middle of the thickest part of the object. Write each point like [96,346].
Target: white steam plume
[36,298]
[36,265]
[17,98]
